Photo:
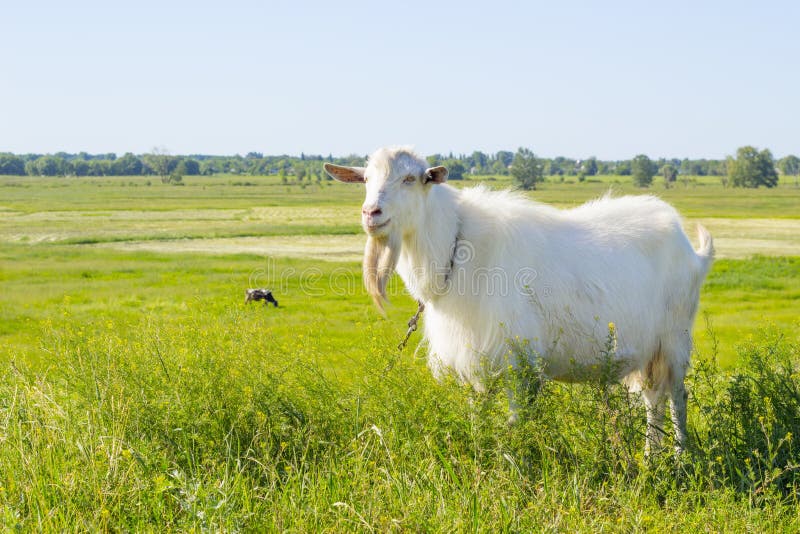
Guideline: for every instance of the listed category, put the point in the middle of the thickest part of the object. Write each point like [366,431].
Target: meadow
[139,393]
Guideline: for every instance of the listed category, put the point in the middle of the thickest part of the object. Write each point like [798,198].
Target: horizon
[575,79]
[454,155]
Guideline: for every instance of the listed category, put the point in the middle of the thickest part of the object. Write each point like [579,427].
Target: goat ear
[436,175]
[345,174]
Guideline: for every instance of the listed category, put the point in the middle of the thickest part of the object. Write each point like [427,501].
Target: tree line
[749,168]
[160,163]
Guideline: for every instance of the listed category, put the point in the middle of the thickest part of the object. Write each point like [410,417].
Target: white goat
[491,266]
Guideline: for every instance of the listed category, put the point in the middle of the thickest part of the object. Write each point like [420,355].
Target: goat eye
[410,179]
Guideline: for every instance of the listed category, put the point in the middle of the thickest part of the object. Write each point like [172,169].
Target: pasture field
[139,393]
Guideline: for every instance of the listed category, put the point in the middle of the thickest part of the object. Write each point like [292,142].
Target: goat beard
[380,259]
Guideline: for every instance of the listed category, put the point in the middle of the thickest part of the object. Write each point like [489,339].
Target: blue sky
[610,79]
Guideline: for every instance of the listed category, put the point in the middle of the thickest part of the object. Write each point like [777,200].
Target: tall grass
[176,426]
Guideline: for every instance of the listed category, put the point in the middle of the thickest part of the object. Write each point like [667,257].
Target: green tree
[99,167]
[434,160]
[187,167]
[11,165]
[526,169]
[127,165]
[670,174]
[642,170]
[505,157]
[790,165]
[80,167]
[46,166]
[623,168]
[557,166]
[479,162]
[589,167]
[752,168]
[691,168]
[209,167]
[161,163]
[455,169]
[499,168]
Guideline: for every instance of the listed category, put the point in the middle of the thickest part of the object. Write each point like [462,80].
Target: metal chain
[412,325]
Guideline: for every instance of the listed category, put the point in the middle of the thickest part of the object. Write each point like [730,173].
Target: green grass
[742,297]
[206,414]
[30,194]
[704,197]
[138,392]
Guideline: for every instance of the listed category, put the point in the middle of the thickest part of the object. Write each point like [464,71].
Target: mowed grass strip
[117,210]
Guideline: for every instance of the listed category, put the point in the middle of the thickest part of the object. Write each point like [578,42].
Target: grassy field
[138,392]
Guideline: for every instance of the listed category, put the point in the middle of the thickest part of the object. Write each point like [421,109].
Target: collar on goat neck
[453,255]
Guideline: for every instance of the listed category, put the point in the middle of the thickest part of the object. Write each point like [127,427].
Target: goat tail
[706,251]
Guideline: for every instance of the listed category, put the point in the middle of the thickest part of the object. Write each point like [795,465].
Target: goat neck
[427,253]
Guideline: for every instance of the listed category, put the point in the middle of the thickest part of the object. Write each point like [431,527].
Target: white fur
[552,278]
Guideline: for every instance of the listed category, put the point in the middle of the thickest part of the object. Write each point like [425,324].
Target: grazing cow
[260,294]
